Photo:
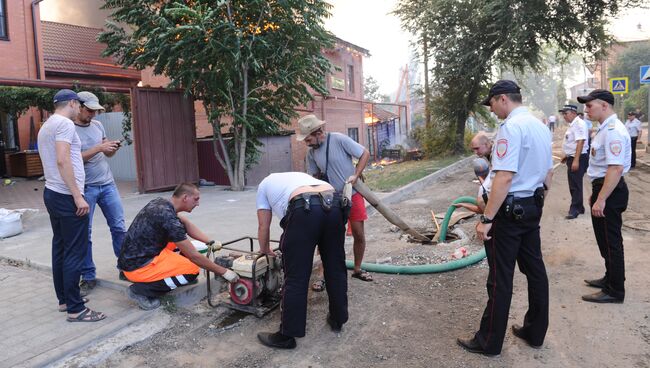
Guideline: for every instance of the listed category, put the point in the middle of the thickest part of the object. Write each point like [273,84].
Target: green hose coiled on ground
[429,268]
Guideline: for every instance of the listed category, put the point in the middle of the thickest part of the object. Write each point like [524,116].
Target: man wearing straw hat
[329,158]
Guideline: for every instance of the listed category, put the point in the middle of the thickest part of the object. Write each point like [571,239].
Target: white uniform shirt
[577,131]
[551,119]
[633,127]
[611,146]
[274,191]
[523,146]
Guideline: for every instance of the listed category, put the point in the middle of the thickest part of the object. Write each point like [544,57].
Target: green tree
[468,39]
[628,62]
[251,63]
[371,91]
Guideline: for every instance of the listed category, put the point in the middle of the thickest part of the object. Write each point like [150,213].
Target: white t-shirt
[611,146]
[551,119]
[577,131]
[58,128]
[523,147]
[274,191]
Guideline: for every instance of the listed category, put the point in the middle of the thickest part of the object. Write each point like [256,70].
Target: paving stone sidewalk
[33,333]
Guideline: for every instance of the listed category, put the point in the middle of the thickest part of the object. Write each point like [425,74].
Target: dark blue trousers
[609,238]
[575,183]
[69,247]
[303,230]
[514,241]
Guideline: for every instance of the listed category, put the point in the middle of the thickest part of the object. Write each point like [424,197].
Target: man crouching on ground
[311,213]
[148,258]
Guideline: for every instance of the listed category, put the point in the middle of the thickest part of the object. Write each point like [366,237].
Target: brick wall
[17,54]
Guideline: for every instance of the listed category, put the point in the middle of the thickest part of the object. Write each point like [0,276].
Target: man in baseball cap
[100,188]
[65,95]
[501,87]
[60,150]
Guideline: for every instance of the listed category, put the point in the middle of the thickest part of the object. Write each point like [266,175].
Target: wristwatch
[485,220]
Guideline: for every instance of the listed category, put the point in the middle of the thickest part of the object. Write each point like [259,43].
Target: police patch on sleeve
[615,147]
[502,147]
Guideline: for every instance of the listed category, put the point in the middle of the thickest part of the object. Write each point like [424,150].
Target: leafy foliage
[628,62]
[371,91]
[15,101]
[250,62]
[469,39]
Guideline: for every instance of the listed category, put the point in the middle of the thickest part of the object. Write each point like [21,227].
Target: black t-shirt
[155,225]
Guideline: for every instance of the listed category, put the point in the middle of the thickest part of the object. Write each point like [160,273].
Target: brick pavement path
[34,333]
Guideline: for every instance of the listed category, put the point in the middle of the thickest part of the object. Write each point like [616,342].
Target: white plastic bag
[10,223]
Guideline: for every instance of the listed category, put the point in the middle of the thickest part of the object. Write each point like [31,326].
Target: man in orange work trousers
[148,257]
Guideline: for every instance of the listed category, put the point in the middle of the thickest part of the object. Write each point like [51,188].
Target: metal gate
[122,164]
[164,138]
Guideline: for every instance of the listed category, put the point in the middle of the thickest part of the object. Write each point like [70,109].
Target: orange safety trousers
[167,264]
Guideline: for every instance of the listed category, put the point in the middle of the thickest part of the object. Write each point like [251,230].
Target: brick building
[32,50]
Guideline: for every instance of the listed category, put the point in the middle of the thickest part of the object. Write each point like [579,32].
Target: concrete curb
[399,194]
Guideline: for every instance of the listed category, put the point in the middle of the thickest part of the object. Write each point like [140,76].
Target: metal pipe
[36,55]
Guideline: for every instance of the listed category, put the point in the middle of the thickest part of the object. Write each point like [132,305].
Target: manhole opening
[431,234]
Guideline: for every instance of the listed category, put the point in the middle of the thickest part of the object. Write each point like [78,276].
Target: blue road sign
[644,73]
[618,85]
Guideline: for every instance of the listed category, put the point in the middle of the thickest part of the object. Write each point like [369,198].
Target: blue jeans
[108,198]
[70,236]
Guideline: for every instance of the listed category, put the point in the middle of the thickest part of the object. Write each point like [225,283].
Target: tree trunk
[427,90]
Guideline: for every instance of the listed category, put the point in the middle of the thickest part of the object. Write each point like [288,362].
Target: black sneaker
[86,286]
[122,276]
[144,302]
[277,340]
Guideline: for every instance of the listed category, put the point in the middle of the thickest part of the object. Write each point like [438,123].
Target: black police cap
[501,87]
[598,94]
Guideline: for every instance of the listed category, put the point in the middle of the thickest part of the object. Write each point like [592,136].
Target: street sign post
[618,85]
[644,74]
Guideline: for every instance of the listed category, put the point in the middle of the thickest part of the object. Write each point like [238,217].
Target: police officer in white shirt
[608,162]
[575,156]
[311,214]
[522,166]
[633,126]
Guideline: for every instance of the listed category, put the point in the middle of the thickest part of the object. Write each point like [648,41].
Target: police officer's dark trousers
[303,230]
[608,235]
[575,183]
[514,240]
[633,145]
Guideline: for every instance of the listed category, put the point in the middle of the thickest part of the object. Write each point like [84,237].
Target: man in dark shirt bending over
[148,258]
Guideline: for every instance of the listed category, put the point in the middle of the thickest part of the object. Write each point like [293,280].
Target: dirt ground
[413,321]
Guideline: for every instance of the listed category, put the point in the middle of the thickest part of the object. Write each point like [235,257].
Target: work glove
[231,276]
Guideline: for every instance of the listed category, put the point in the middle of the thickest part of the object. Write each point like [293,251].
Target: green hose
[429,268]
[450,210]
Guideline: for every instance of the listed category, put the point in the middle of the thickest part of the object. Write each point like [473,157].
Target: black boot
[276,340]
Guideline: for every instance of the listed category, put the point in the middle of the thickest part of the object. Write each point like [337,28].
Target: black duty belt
[324,199]
[601,181]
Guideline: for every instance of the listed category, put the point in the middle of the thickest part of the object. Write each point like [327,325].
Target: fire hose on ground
[418,269]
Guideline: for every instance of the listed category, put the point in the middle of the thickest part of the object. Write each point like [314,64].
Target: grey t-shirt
[340,168]
[58,128]
[97,170]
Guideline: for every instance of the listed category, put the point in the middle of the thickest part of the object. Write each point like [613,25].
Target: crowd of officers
[517,184]
[156,255]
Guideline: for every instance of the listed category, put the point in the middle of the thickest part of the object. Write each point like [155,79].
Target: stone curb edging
[400,193]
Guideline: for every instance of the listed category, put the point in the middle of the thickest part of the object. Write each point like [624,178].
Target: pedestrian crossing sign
[645,74]
[618,85]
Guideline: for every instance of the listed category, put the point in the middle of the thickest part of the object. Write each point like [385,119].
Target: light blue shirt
[611,146]
[523,147]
